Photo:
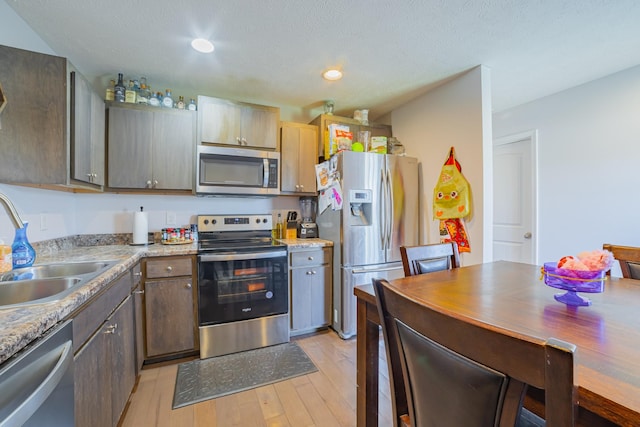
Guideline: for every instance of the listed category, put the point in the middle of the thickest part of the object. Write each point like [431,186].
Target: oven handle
[234,256]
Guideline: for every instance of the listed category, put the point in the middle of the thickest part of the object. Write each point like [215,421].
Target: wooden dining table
[513,296]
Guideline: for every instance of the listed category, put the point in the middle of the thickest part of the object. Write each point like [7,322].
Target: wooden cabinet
[310,279]
[33,131]
[324,120]
[226,122]
[104,360]
[150,148]
[170,311]
[87,132]
[298,155]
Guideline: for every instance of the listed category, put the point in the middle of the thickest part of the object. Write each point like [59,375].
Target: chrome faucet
[11,210]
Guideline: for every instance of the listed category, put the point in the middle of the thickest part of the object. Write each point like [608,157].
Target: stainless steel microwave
[241,171]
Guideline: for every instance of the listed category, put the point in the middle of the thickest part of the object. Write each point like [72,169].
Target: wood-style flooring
[323,399]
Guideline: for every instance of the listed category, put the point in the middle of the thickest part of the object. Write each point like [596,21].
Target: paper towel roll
[140,228]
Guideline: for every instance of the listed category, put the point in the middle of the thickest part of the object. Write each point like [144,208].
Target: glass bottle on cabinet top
[130,93]
[180,104]
[119,90]
[167,101]
[192,105]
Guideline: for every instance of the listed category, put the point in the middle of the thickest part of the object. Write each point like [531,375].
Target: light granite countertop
[22,325]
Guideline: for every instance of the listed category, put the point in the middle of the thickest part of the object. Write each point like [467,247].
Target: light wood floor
[324,399]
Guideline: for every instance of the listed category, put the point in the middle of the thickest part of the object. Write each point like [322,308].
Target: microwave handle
[265,179]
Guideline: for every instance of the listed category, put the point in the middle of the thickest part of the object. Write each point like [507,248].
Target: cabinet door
[130,138]
[310,298]
[120,331]
[219,121]
[169,316]
[298,157]
[289,156]
[92,382]
[33,124]
[321,296]
[173,150]
[87,132]
[97,139]
[259,127]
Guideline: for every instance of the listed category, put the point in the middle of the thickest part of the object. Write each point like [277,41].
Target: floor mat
[206,379]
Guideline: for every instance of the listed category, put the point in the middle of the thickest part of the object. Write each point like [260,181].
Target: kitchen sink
[61,269]
[34,291]
[47,282]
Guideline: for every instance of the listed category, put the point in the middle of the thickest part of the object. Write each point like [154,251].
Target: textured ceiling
[273,51]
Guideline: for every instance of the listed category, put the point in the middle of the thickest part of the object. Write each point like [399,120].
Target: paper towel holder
[150,235]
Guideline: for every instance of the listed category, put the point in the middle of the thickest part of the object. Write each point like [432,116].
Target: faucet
[11,210]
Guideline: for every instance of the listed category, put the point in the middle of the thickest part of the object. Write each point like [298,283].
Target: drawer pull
[310,258]
[138,273]
[169,269]
[187,286]
[111,329]
[311,272]
[139,292]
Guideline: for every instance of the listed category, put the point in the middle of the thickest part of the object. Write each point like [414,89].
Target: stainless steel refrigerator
[379,214]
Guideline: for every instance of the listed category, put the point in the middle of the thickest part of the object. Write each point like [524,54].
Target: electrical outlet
[171,218]
[43,222]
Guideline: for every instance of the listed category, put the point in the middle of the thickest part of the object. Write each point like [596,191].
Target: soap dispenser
[22,252]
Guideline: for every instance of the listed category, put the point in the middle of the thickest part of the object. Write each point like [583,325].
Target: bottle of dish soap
[22,252]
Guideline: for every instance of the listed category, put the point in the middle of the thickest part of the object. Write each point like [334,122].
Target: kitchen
[70,214]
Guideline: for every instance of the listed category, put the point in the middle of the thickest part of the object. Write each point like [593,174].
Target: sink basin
[62,269]
[47,282]
[34,291]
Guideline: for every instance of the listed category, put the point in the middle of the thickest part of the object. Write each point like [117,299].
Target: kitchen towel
[140,228]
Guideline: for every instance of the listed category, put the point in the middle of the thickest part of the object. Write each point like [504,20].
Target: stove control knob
[206,221]
[264,220]
[257,220]
[214,221]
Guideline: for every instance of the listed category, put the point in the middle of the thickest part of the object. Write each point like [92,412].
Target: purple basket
[573,281]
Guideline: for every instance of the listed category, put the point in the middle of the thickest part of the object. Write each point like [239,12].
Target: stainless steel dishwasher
[36,385]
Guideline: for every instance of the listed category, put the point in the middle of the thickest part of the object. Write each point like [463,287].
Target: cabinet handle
[169,268]
[187,286]
[310,258]
[111,329]
[149,184]
[311,272]
[138,273]
[297,187]
[139,292]
[239,140]
[244,141]
[155,183]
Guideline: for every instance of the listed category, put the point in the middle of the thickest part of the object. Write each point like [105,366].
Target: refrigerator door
[345,318]
[363,209]
[402,210]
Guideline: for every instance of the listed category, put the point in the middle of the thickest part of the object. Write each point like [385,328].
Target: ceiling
[273,51]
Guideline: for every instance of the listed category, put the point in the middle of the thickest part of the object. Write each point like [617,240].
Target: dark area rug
[206,379]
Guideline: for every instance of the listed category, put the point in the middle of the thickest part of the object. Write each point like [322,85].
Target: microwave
[239,171]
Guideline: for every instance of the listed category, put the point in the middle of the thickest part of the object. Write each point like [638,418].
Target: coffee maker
[307,228]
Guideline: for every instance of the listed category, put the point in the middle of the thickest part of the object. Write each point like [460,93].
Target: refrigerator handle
[383,210]
[389,210]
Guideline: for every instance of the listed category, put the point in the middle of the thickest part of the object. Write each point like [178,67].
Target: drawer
[309,257]
[87,321]
[169,267]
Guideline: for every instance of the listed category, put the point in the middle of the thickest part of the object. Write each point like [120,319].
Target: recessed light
[332,74]
[202,45]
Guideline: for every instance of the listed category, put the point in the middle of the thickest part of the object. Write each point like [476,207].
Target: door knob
[527,235]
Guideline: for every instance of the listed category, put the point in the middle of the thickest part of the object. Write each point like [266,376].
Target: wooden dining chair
[628,257]
[429,258]
[445,371]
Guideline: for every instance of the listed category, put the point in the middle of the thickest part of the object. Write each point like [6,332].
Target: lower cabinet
[169,301]
[310,279]
[104,371]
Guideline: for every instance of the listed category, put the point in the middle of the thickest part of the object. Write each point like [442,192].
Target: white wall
[54,214]
[589,158]
[452,115]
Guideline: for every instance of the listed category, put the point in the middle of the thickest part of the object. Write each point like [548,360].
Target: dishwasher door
[36,385]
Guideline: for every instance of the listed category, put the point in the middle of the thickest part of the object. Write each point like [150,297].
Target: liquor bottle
[180,104]
[279,228]
[119,90]
[130,93]
[167,101]
[109,94]
[154,101]
[142,96]
[192,105]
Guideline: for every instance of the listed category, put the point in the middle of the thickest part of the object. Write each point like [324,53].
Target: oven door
[240,286]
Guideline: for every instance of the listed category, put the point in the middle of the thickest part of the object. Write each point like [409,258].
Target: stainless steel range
[243,297]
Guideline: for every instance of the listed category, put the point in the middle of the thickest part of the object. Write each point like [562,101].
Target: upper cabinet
[298,156]
[150,148]
[324,120]
[225,122]
[33,131]
[87,132]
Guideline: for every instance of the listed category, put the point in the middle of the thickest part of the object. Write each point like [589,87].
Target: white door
[514,198]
